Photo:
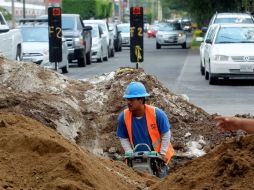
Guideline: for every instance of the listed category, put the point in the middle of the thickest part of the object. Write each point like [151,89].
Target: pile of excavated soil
[229,166]
[86,112]
[33,156]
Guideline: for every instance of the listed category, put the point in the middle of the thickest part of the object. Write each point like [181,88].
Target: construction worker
[142,123]
[235,123]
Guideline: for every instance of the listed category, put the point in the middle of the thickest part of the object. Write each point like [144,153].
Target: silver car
[171,34]
[36,47]
[125,32]
[99,43]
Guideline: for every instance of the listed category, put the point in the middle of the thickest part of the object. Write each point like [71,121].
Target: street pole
[46,2]
[24,8]
[13,14]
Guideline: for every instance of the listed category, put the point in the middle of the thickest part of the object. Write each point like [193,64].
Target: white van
[107,32]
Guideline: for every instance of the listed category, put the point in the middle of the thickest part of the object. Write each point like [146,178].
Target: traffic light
[136,34]
[55,34]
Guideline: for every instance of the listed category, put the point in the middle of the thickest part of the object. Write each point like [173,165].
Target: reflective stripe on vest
[152,129]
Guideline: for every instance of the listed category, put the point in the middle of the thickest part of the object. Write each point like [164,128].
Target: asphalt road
[178,69]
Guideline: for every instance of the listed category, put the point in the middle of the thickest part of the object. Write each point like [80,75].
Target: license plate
[170,39]
[246,68]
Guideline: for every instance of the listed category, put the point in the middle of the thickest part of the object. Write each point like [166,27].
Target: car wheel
[202,69]
[106,58]
[112,52]
[82,61]
[184,45]
[206,75]
[18,54]
[65,69]
[109,52]
[158,46]
[88,58]
[101,57]
[212,79]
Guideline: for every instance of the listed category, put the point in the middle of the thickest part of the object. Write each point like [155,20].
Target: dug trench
[59,133]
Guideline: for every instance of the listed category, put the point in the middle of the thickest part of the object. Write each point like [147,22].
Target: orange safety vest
[152,129]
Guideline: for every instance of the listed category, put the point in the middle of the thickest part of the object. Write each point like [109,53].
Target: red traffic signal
[56,11]
[136,11]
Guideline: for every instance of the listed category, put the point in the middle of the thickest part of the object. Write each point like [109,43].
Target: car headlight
[78,41]
[180,34]
[221,58]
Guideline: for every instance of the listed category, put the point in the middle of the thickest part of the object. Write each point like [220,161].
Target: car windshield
[35,34]
[170,27]
[95,31]
[235,35]
[68,23]
[234,20]
[124,28]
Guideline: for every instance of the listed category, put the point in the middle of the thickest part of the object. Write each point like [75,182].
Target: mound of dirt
[229,166]
[86,112]
[33,156]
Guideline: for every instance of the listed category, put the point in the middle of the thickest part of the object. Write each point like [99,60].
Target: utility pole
[46,2]
[13,14]
[24,8]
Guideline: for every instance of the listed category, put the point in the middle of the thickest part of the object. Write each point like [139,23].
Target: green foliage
[148,18]
[104,9]
[86,8]
[197,33]
[200,11]
[6,14]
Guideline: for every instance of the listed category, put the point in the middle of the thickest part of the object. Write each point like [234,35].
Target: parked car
[229,52]
[186,24]
[10,41]
[171,34]
[151,31]
[107,32]
[78,37]
[36,44]
[117,36]
[99,44]
[221,18]
[125,31]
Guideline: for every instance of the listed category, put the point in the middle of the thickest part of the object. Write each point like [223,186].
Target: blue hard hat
[135,90]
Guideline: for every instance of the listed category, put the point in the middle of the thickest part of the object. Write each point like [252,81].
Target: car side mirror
[4,28]
[110,29]
[87,28]
[208,41]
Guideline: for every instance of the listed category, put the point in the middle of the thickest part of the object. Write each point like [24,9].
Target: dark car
[117,37]
[78,38]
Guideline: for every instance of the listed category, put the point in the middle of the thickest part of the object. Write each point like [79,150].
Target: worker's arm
[235,123]
[126,145]
[165,141]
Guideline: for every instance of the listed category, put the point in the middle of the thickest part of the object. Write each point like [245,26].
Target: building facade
[25,8]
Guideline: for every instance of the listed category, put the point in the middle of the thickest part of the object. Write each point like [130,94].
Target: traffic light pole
[136,35]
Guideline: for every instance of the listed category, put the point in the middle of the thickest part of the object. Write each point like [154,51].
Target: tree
[103,9]
[7,15]
[200,11]
[86,8]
